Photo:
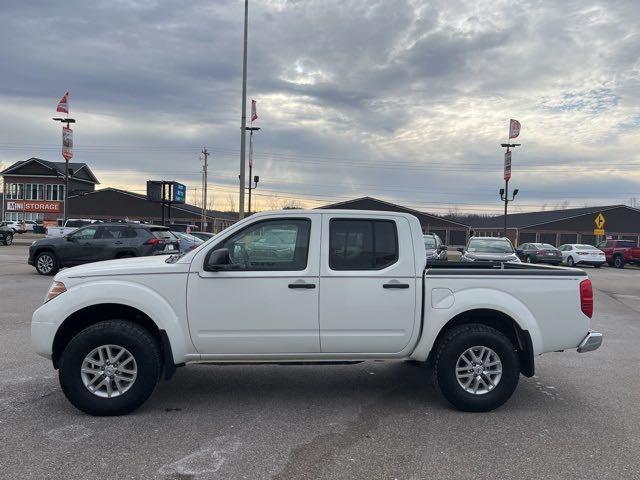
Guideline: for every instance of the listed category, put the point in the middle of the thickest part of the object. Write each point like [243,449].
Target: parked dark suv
[100,241]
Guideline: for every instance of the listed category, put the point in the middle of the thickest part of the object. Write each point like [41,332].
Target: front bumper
[591,342]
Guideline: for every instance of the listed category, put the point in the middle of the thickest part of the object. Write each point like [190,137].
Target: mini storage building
[557,227]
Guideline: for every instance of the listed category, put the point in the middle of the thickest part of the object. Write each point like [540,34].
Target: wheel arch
[502,322]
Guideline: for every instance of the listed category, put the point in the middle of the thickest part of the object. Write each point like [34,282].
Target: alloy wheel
[108,371]
[478,370]
[45,263]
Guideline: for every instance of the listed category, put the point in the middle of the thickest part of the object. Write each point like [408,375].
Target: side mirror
[519,251]
[460,249]
[218,260]
[443,247]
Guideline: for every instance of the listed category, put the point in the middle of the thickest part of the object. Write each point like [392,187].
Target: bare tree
[231,202]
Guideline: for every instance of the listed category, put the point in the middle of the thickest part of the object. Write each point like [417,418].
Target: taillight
[152,241]
[586,297]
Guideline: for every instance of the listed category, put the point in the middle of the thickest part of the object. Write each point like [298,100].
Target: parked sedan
[434,247]
[16,227]
[495,249]
[187,241]
[539,253]
[103,241]
[577,254]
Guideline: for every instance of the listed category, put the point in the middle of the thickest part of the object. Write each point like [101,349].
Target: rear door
[367,284]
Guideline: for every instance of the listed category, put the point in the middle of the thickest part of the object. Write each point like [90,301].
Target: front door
[368,285]
[81,246]
[266,301]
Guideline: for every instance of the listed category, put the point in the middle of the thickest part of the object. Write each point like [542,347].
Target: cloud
[403,99]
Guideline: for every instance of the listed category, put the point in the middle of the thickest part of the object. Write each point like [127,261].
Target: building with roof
[112,204]
[572,225]
[451,232]
[34,188]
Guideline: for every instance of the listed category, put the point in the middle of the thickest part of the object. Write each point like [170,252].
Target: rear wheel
[476,367]
[570,261]
[618,261]
[8,239]
[110,368]
[46,263]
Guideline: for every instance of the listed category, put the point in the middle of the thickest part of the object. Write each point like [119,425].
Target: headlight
[55,289]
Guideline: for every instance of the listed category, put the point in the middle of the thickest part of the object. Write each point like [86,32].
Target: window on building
[356,244]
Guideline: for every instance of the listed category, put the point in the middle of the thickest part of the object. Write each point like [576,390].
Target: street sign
[179,193]
[598,231]
[67,143]
[507,165]
[599,221]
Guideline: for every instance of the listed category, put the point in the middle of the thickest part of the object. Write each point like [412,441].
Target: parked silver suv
[436,250]
[496,249]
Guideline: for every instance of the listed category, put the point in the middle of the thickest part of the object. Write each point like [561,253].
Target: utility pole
[205,154]
[243,123]
[504,192]
[255,179]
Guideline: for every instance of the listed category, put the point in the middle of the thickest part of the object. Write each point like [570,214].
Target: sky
[407,101]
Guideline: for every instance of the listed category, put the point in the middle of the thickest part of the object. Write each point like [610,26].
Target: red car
[620,252]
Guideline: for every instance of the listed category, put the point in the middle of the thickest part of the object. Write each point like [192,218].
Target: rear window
[163,234]
[362,244]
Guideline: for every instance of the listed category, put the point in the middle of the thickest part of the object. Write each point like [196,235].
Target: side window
[270,245]
[117,232]
[88,233]
[356,244]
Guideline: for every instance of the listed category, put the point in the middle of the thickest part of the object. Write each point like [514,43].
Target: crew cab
[341,286]
[620,252]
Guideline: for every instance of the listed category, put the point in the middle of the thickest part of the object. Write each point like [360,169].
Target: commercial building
[451,232]
[586,225]
[34,188]
[112,204]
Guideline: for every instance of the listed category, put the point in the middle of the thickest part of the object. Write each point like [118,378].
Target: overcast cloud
[402,100]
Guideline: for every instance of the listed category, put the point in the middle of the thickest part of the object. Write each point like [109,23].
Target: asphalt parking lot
[577,418]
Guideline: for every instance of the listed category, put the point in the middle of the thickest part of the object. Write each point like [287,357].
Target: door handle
[118,243]
[395,285]
[302,285]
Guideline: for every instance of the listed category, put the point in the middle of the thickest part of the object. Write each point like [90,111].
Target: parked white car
[579,254]
[17,227]
[336,286]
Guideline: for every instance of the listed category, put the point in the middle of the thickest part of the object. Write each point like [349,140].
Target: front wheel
[476,367]
[110,368]
[46,263]
[8,240]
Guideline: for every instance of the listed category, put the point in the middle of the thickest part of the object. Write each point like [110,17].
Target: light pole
[256,179]
[243,122]
[504,192]
[66,163]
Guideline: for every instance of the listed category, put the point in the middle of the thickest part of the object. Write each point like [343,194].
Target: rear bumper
[591,342]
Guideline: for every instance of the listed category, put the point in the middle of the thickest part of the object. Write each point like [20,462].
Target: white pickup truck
[71,225]
[308,286]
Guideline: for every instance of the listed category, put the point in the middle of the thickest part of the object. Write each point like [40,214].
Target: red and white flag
[254,112]
[63,104]
[514,128]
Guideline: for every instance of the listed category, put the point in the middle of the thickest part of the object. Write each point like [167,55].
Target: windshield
[429,243]
[488,245]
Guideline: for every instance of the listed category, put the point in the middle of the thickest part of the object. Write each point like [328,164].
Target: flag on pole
[514,128]
[254,112]
[63,104]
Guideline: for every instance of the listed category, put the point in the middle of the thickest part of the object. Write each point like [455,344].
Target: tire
[46,263]
[8,239]
[598,265]
[448,353]
[570,262]
[618,261]
[147,364]
[528,259]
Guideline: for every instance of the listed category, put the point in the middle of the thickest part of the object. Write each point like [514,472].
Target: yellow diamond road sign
[599,221]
